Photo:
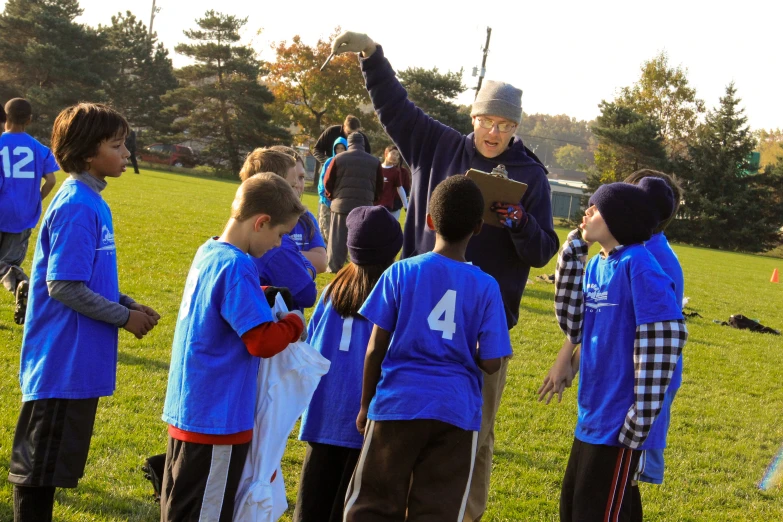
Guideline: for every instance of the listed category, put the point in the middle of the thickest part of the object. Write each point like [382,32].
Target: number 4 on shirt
[445,310]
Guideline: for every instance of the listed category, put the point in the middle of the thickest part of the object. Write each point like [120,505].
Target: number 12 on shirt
[18,173]
[445,310]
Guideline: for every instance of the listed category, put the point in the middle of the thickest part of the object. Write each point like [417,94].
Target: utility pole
[483,62]
[155,10]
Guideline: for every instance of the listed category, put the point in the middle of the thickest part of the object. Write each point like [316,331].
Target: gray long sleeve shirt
[76,295]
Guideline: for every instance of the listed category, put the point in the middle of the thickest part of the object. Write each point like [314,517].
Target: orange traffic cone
[774,278]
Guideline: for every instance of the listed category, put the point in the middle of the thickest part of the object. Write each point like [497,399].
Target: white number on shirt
[187,297]
[19,164]
[444,308]
[345,339]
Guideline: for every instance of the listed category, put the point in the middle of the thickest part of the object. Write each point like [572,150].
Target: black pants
[326,473]
[134,162]
[188,494]
[597,484]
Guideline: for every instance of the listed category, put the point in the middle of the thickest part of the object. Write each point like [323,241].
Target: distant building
[568,188]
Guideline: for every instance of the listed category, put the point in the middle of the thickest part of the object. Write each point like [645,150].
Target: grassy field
[726,424]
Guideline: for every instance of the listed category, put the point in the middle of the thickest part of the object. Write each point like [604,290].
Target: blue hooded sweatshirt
[434,152]
[321,189]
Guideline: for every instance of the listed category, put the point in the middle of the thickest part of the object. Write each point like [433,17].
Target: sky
[565,55]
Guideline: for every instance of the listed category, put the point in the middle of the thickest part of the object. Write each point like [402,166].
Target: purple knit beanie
[374,235]
[632,212]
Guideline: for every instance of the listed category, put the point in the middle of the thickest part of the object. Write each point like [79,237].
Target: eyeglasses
[502,127]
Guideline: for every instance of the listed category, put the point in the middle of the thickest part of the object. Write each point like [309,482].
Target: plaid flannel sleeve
[656,350]
[569,297]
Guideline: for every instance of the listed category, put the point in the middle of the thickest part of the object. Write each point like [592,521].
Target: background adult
[322,150]
[130,144]
[435,152]
[353,179]
[393,182]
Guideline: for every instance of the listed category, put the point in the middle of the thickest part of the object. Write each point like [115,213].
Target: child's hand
[147,310]
[139,323]
[300,315]
[361,421]
[556,381]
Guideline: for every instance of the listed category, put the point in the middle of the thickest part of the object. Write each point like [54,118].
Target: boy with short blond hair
[24,163]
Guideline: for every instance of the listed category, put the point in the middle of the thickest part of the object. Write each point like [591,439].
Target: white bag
[286,383]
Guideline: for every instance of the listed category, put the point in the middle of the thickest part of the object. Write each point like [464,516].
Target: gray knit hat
[498,99]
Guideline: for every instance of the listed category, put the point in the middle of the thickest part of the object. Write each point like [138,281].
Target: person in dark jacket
[130,144]
[322,150]
[435,151]
[353,179]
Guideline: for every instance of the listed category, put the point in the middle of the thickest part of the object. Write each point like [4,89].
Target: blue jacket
[434,152]
[321,189]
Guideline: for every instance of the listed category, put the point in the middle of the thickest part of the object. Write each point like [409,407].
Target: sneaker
[153,471]
[22,290]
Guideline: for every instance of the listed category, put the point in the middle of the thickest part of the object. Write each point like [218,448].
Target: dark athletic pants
[326,473]
[597,484]
[423,466]
[200,481]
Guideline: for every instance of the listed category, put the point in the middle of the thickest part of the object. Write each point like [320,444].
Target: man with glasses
[435,152]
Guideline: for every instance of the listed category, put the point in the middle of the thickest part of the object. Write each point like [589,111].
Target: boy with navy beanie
[624,311]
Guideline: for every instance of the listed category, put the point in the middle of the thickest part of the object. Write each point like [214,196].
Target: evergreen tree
[220,100]
[724,206]
[627,141]
[48,58]
[433,92]
[144,73]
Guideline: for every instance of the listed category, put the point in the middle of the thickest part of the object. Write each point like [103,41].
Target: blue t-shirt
[623,291]
[66,354]
[212,378]
[23,162]
[331,416]
[439,311]
[301,234]
[285,266]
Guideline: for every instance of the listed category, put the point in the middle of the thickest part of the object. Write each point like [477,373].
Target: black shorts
[200,481]
[51,442]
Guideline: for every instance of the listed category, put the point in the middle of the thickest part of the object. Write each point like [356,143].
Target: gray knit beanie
[498,99]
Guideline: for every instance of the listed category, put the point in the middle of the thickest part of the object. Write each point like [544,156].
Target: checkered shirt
[656,350]
[569,296]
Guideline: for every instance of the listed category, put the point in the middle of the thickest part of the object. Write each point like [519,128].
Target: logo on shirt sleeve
[595,299]
[107,239]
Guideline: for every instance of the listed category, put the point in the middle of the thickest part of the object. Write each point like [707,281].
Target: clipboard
[495,188]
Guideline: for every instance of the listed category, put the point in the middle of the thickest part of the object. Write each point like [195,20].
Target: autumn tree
[770,145]
[220,100]
[546,134]
[664,94]
[310,98]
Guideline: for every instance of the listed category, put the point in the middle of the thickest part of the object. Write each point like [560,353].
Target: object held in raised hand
[329,59]
[495,187]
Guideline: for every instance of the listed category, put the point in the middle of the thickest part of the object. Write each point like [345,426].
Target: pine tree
[144,73]
[220,100]
[725,207]
[433,92]
[48,58]
[627,142]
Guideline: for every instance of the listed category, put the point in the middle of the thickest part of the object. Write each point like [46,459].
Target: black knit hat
[631,212]
[374,235]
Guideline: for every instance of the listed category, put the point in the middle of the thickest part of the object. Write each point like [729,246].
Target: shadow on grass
[152,174]
[135,360]
[101,502]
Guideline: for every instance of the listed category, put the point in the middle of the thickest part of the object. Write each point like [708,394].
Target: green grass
[726,423]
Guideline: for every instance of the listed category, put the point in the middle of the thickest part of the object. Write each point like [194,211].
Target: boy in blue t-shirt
[626,314]
[24,162]
[340,334]
[283,266]
[439,321]
[69,347]
[224,326]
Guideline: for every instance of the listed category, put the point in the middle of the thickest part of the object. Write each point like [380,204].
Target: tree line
[230,101]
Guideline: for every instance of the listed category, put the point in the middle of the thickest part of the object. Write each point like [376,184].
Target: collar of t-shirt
[91,181]
[611,252]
